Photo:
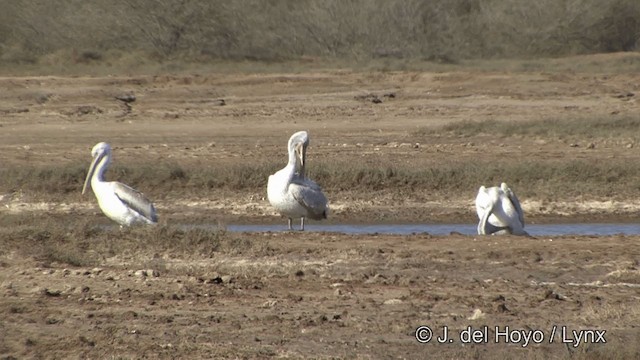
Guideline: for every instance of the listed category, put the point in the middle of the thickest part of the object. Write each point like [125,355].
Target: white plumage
[499,211]
[290,192]
[119,202]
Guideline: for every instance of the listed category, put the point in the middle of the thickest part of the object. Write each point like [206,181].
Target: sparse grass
[621,64]
[624,275]
[76,242]
[44,179]
[544,179]
[49,239]
[164,36]
[564,180]
[589,127]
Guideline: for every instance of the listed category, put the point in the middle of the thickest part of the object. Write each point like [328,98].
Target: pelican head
[100,151]
[298,150]
[505,188]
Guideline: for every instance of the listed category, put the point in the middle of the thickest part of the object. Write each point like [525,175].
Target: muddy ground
[318,295]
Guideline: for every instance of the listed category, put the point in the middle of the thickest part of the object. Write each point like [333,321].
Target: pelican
[290,192]
[499,211]
[119,202]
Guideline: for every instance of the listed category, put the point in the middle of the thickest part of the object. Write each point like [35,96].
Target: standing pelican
[499,211]
[118,201]
[290,192]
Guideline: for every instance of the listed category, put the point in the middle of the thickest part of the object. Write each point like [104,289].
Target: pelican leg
[302,223]
[290,224]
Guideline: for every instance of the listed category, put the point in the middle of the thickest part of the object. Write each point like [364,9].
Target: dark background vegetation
[78,31]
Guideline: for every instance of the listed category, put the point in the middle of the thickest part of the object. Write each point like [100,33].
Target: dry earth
[318,295]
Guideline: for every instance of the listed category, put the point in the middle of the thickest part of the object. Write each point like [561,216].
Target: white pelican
[499,211]
[290,192]
[118,201]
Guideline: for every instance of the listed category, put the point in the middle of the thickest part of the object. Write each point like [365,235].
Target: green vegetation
[137,34]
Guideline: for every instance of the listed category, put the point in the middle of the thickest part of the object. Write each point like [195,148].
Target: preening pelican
[499,211]
[290,192]
[118,201]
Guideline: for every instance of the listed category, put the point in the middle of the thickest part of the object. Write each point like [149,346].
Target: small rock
[128,98]
[140,273]
[551,294]
[477,314]
[52,293]
[269,304]
[214,280]
[392,302]
[52,321]
[591,146]
[153,273]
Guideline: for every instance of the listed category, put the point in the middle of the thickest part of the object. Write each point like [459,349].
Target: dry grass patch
[589,127]
[77,242]
[542,179]
[628,276]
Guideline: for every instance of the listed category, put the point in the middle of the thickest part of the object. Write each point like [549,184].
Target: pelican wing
[136,201]
[516,204]
[310,196]
[483,202]
[487,228]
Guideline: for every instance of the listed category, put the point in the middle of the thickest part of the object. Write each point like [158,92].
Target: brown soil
[320,295]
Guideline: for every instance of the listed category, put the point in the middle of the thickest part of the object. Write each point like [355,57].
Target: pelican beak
[92,169]
[301,153]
